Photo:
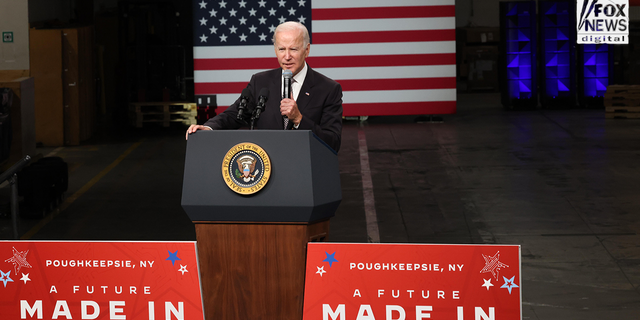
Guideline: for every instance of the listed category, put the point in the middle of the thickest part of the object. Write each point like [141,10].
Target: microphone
[286,92]
[262,100]
[244,99]
[288,76]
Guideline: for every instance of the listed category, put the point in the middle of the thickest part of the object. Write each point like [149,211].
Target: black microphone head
[264,92]
[246,92]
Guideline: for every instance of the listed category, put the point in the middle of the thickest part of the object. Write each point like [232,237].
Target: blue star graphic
[330,258]
[5,277]
[508,283]
[173,257]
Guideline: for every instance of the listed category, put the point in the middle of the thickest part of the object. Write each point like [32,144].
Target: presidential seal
[246,168]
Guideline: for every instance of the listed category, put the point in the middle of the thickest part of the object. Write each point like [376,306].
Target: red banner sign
[99,280]
[406,281]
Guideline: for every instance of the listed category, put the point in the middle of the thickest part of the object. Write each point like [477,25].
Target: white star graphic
[262,3]
[252,29]
[252,12]
[183,269]
[203,38]
[213,29]
[292,11]
[223,20]
[203,5]
[272,28]
[242,4]
[203,22]
[213,12]
[223,38]
[243,38]
[19,260]
[263,20]
[487,283]
[25,278]
[263,37]
[222,4]
[281,3]
[301,3]
[232,13]
[272,12]
[282,19]
[320,270]
[493,265]
[233,29]
[302,19]
[243,20]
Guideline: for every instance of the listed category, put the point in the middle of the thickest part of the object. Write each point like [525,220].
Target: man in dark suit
[315,103]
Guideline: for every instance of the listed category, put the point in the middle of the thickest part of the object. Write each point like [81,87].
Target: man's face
[290,50]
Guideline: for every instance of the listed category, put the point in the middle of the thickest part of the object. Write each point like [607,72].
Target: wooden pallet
[622,102]
[622,115]
[162,113]
[622,96]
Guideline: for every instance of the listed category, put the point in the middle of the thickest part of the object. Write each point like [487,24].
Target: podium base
[254,270]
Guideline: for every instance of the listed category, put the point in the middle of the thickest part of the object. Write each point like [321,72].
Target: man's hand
[193,128]
[289,108]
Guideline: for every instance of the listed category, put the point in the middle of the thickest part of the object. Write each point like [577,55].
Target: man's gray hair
[293,25]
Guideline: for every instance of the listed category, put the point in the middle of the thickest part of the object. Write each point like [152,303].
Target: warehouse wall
[14,18]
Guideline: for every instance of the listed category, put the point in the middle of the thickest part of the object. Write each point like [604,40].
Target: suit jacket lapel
[275,96]
[305,91]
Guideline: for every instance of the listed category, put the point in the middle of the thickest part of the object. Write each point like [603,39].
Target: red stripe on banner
[398,84]
[383,60]
[347,85]
[391,109]
[330,62]
[384,36]
[219,87]
[383,12]
[403,108]
[235,64]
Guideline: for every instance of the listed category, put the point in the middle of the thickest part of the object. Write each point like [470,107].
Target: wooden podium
[252,248]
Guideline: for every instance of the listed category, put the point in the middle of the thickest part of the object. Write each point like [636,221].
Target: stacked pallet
[163,113]
[622,102]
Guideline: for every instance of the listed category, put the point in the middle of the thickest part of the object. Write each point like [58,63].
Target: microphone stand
[253,119]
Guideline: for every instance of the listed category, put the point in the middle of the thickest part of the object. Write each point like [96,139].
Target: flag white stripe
[358,25]
[382,96]
[328,50]
[358,73]
[328,4]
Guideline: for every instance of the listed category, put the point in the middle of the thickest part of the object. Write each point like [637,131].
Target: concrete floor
[564,184]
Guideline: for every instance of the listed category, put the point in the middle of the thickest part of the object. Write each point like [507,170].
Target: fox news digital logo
[602,21]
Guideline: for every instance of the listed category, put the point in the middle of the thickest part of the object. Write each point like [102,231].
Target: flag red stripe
[391,109]
[383,60]
[347,85]
[236,63]
[384,36]
[401,108]
[383,12]
[398,84]
[330,62]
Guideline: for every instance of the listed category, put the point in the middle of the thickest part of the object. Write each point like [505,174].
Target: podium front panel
[304,184]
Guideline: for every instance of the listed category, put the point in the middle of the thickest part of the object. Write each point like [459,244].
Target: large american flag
[392,57]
